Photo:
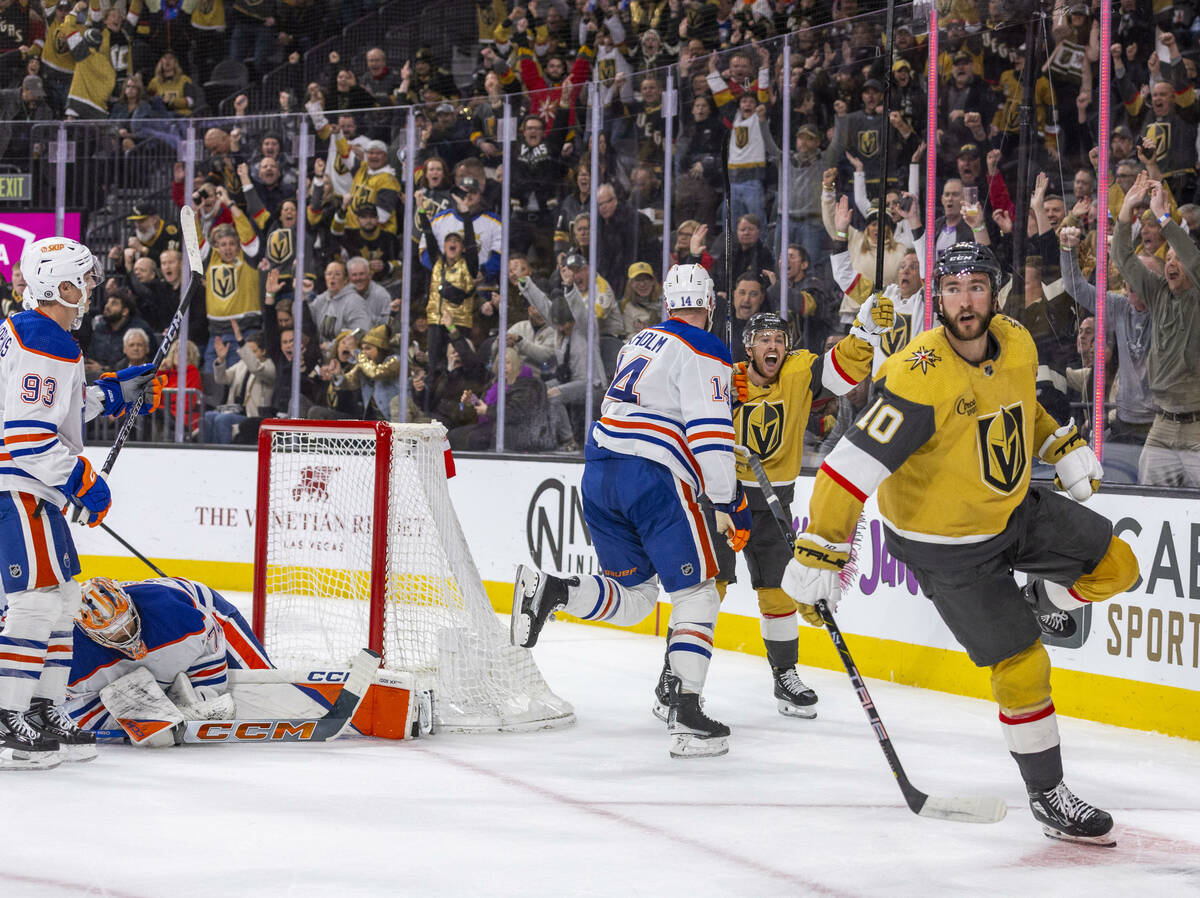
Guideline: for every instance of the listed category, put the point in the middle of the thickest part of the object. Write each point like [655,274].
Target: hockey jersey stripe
[249,656]
[694,633]
[699,531]
[844,483]
[662,330]
[35,450]
[29,437]
[688,463]
[30,424]
[689,647]
[841,372]
[15,658]
[21,643]
[857,466]
[39,538]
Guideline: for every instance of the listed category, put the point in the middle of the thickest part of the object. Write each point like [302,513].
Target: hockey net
[357,544]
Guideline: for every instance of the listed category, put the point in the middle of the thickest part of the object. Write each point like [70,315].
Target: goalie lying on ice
[183,634]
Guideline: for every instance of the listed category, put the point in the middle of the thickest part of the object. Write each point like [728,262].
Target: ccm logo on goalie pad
[257,731]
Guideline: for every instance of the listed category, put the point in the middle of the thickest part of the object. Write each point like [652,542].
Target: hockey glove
[122,389]
[815,573]
[1077,471]
[88,489]
[741,382]
[875,316]
[733,519]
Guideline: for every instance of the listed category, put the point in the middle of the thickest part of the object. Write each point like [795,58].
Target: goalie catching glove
[121,390]
[733,519]
[1077,471]
[875,316]
[815,573]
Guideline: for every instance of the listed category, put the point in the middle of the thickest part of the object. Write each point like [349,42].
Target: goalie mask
[689,287]
[109,617]
[47,263]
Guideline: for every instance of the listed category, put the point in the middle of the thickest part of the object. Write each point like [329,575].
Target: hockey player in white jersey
[665,436]
[44,404]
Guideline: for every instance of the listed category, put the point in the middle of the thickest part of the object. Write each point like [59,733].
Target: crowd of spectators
[716,67]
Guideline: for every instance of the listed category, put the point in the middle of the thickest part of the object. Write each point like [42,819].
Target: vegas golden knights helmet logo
[741,136]
[279,245]
[868,143]
[224,281]
[762,428]
[1002,456]
[1160,133]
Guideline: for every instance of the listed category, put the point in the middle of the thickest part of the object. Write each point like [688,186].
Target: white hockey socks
[33,620]
[1033,741]
[60,648]
[693,618]
[604,599]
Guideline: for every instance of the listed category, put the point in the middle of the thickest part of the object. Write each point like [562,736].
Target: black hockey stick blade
[960,809]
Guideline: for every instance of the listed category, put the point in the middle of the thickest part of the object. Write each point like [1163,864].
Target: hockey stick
[326,728]
[961,809]
[132,551]
[187,228]
[728,244]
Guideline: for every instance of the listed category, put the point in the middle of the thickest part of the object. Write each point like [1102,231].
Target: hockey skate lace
[59,718]
[1069,805]
[1055,619]
[19,726]
[790,680]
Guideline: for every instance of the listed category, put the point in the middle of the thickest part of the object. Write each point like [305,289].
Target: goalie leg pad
[140,706]
[1116,572]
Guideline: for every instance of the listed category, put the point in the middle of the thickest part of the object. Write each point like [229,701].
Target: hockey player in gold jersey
[949,442]
[769,421]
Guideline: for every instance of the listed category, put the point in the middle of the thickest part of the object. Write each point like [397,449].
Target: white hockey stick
[191,243]
[325,728]
[961,809]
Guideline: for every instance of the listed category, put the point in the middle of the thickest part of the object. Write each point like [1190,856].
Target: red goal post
[357,544]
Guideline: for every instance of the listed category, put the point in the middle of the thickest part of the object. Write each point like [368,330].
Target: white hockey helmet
[48,262]
[108,616]
[688,287]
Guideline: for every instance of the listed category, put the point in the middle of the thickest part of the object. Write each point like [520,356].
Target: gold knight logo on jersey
[868,143]
[1002,457]
[224,281]
[762,428]
[897,338]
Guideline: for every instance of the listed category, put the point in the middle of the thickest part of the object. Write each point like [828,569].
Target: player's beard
[958,334]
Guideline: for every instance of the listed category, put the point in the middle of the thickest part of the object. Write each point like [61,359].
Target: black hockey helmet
[968,258]
[765,321]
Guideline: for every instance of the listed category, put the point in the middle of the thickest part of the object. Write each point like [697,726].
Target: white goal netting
[348,565]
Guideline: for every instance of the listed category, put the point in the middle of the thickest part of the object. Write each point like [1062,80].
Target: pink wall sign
[19,228]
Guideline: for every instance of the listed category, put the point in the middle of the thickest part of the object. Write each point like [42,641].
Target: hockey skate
[536,595]
[693,733]
[1067,817]
[662,692]
[1052,620]
[795,698]
[56,725]
[22,747]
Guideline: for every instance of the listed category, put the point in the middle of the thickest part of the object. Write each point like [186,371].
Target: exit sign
[16,187]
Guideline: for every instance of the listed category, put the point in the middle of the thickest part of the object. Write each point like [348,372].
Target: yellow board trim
[1128,703]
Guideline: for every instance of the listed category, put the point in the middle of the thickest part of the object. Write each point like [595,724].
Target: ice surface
[798,807]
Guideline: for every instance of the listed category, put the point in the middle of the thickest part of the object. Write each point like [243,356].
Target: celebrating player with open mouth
[948,443]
